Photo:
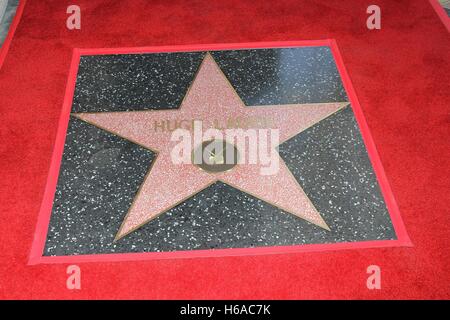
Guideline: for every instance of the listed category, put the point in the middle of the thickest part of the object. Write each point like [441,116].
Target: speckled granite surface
[100,172]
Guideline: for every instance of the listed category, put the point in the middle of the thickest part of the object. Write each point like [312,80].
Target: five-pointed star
[210,96]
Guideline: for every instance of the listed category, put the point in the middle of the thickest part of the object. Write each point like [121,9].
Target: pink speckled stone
[211,96]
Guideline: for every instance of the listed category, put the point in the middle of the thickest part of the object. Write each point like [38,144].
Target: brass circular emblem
[215,156]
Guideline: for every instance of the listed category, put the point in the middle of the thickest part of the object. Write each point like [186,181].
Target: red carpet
[400,74]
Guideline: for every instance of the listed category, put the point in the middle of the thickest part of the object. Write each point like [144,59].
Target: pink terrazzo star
[211,96]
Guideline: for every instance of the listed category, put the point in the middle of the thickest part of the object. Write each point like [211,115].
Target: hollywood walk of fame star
[210,96]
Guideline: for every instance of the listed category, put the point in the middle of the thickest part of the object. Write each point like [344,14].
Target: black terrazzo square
[101,173]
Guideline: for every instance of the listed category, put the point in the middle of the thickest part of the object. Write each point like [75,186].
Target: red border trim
[46,207]
[441,13]
[12,29]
